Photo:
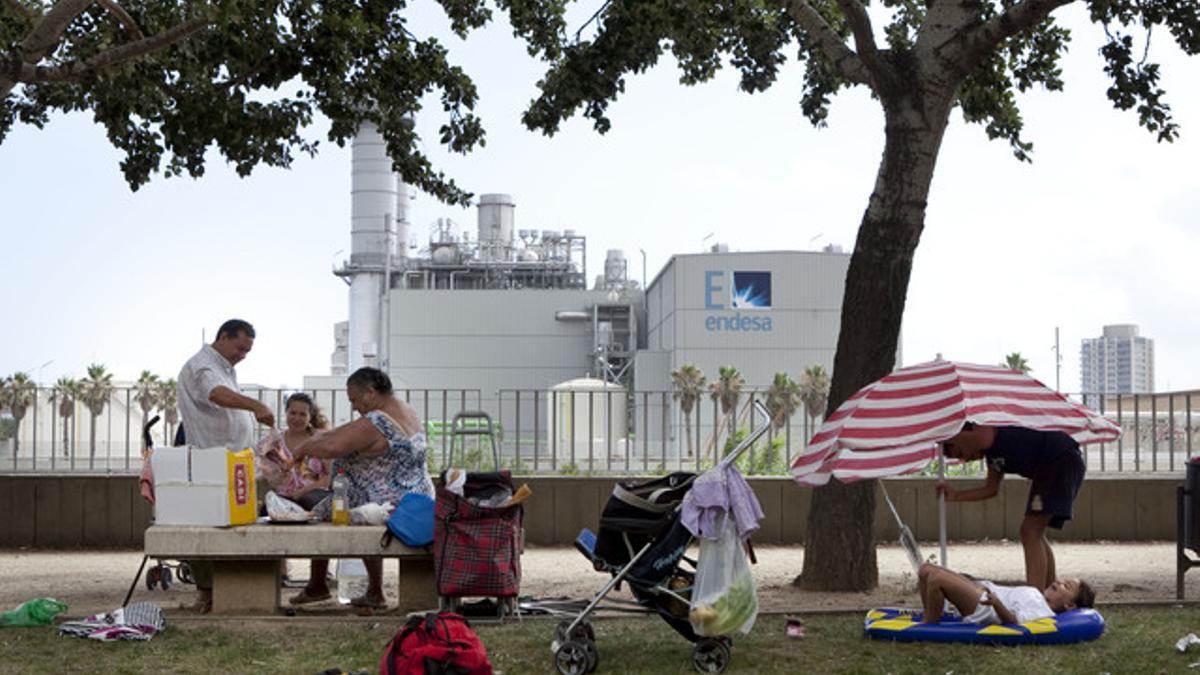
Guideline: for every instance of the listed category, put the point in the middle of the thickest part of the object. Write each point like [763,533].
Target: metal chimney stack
[378,225]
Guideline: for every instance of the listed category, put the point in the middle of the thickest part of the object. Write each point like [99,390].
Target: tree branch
[49,30]
[123,16]
[864,35]
[982,39]
[844,59]
[79,70]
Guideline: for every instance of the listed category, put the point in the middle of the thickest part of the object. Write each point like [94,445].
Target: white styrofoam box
[193,487]
[210,466]
[170,466]
[191,505]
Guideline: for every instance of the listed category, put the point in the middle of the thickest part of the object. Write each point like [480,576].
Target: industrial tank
[571,403]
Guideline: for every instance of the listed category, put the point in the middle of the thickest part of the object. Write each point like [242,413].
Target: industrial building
[510,310]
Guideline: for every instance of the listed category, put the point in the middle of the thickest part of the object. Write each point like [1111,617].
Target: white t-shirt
[206,424]
[1025,602]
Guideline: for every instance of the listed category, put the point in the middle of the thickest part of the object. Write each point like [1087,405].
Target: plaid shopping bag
[476,549]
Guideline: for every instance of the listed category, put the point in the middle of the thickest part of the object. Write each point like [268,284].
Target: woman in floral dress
[383,455]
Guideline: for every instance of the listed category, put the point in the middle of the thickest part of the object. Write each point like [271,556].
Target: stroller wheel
[583,632]
[185,573]
[572,658]
[711,656]
[593,656]
[165,580]
[152,575]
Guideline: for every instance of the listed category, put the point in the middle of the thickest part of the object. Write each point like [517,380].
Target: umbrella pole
[942,504]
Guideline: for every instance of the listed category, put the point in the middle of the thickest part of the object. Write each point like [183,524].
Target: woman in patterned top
[383,455]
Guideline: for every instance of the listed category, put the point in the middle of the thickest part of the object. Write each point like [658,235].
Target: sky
[1101,228]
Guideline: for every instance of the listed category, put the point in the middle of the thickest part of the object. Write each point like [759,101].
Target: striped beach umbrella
[894,425]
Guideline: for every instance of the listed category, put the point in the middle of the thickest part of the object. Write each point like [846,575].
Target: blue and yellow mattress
[904,625]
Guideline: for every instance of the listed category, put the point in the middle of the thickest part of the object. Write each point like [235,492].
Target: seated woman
[306,483]
[985,602]
[383,455]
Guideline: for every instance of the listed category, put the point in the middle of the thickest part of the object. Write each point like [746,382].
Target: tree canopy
[170,79]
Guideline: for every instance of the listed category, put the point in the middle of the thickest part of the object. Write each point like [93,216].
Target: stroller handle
[761,409]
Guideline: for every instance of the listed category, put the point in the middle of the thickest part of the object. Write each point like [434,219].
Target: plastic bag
[370,514]
[284,510]
[272,461]
[723,599]
[36,612]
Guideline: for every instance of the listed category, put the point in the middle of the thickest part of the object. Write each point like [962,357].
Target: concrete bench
[245,559]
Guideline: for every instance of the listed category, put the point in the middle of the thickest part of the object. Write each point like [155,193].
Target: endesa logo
[746,291]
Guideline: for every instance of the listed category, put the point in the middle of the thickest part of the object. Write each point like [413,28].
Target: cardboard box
[204,486]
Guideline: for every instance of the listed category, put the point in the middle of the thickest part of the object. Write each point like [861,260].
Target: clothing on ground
[139,621]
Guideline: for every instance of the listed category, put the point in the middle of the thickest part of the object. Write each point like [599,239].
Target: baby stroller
[642,541]
[160,574]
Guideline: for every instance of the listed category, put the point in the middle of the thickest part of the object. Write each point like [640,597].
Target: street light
[643,252]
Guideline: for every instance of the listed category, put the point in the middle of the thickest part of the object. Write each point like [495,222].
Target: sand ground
[93,581]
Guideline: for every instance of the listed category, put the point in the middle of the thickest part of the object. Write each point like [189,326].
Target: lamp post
[643,252]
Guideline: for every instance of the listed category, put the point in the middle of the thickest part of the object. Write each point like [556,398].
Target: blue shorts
[1054,487]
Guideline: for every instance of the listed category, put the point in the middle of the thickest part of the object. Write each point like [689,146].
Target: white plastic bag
[370,514]
[723,599]
[284,510]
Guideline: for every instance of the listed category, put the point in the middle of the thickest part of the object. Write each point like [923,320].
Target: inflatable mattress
[904,625]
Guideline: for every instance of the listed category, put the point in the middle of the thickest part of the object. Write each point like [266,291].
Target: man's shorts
[1054,487]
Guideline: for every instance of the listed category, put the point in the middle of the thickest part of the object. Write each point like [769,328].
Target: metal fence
[611,431]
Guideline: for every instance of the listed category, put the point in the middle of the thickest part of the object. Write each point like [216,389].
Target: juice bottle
[341,515]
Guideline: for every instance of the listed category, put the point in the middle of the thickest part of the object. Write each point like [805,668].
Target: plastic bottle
[341,515]
[352,579]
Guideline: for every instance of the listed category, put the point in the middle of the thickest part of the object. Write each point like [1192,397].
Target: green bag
[36,612]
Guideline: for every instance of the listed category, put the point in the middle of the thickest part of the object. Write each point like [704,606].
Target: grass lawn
[1137,640]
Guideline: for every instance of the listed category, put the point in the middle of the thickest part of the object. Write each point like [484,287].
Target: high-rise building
[1118,362]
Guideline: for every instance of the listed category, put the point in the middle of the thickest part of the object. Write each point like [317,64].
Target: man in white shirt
[216,414]
[985,602]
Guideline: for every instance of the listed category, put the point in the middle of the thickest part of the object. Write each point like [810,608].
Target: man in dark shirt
[1051,460]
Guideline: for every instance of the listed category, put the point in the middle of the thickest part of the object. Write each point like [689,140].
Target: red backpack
[439,643]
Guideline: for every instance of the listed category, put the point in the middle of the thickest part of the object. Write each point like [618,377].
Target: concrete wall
[107,512]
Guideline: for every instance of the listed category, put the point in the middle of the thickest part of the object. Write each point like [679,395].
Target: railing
[46,441]
[598,431]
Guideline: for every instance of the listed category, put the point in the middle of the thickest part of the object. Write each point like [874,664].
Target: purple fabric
[716,491]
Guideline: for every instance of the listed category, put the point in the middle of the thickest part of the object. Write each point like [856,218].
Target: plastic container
[341,514]
[351,579]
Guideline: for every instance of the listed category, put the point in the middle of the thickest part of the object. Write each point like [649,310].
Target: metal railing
[600,431]
[46,441]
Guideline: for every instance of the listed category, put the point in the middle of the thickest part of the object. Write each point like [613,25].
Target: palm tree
[1015,361]
[17,393]
[146,394]
[727,390]
[97,388]
[168,402]
[783,400]
[814,391]
[689,385]
[66,390]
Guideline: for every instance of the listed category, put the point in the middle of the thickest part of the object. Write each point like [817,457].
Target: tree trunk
[839,553]
[92,438]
